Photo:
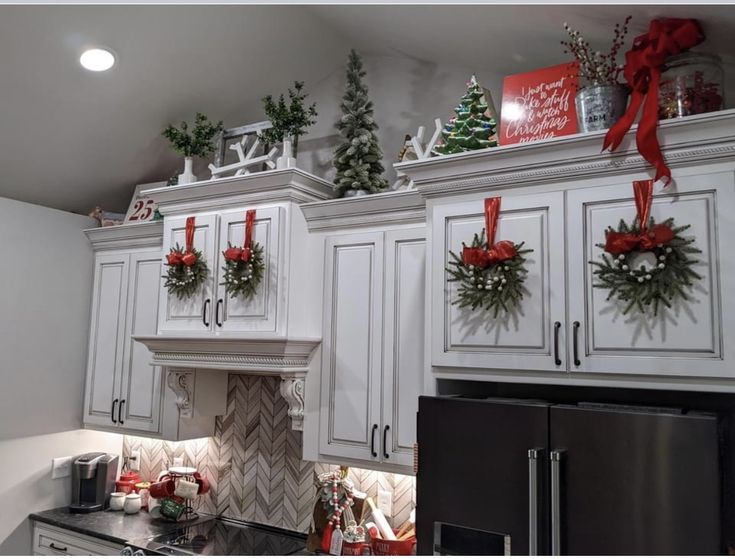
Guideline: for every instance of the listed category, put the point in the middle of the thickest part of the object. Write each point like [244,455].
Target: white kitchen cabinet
[525,337]
[210,310]
[52,540]
[124,391]
[373,346]
[687,339]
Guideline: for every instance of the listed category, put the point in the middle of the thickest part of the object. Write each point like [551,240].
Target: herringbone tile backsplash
[254,462]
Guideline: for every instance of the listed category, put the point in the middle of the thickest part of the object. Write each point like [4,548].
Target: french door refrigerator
[520,477]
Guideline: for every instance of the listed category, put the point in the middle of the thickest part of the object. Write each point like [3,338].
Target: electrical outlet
[385,502]
[178,461]
[61,467]
[134,461]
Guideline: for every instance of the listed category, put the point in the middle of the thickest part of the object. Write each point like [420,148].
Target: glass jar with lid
[691,83]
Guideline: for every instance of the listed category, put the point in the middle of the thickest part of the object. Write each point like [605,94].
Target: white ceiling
[72,139]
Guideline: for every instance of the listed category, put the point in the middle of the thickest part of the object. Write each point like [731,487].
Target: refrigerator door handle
[533,495]
[556,457]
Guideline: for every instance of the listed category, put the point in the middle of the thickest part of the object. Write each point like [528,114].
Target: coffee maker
[92,480]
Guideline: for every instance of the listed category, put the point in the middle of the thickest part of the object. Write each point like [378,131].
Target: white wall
[406,94]
[44,320]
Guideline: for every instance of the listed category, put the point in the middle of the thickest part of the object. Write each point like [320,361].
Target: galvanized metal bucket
[600,106]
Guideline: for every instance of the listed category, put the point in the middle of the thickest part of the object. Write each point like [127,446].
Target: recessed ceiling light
[97,60]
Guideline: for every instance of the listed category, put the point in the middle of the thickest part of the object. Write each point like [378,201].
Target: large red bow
[233,254]
[497,252]
[665,37]
[187,258]
[661,234]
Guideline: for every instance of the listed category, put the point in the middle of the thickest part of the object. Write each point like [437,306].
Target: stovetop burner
[224,537]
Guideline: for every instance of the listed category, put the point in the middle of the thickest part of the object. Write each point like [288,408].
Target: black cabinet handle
[204,312]
[372,441]
[112,410]
[220,302]
[385,441]
[575,343]
[120,411]
[52,546]
[557,327]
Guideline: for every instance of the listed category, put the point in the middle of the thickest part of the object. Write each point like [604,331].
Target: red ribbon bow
[187,258]
[642,71]
[233,254]
[497,252]
[661,234]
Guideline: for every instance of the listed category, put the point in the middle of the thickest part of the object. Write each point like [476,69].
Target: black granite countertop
[113,526]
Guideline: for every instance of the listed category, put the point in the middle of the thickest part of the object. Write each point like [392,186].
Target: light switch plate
[134,461]
[178,461]
[385,502]
[61,467]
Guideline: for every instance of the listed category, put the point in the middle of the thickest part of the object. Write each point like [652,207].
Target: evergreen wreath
[646,287]
[187,270]
[490,275]
[244,267]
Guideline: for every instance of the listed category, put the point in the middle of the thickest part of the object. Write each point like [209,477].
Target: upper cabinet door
[141,382]
[404,336]
[351,347]
[195,313]
[106,340]
[524,338]
[259,314]
[686,339]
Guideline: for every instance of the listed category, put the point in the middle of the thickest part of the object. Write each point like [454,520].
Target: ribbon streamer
[621,243]
[235,253]
[642,71]
[497,252]
[189,258]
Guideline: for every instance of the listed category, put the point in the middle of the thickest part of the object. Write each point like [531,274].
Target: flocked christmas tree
[474,126]
[358,158]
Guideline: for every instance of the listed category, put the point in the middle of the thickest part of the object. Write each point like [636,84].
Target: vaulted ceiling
[72,139]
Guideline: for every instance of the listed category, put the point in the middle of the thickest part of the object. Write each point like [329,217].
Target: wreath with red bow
[187,270]
[646,287]
[490,274]
[244,266]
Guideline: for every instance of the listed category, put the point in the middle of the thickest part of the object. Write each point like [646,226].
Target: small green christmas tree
[358,159]
[473,127]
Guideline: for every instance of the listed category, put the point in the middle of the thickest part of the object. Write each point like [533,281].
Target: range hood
[285,340]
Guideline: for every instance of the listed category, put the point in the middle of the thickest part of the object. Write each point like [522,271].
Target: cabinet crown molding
[702,138]
[283,185]
[387,208]
[129,235]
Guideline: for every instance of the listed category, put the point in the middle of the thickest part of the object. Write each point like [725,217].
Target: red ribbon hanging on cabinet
[660,234]
[642,71]
[496,252]
[234,254]
[187,258]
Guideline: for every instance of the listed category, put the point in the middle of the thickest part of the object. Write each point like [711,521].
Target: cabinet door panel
[686,339]
[106,339]
[259,313]
[141,381]
[187,314]
[404,334]
[352,345]
[523,338]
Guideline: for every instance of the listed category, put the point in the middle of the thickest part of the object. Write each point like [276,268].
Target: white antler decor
[420,151]
[244,160]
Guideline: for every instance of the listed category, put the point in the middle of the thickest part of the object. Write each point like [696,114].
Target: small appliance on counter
[93,479]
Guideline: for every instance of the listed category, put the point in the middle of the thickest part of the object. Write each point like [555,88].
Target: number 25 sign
[142,208]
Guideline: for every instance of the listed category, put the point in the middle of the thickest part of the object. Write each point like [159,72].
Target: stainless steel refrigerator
[520,477]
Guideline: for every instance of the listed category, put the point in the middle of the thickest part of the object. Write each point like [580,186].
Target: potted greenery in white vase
[197,142]
[601,99]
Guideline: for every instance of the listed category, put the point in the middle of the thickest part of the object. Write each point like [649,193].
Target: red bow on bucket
[497,252]
[661,234]
[642,71]
[187,258]
[233,254]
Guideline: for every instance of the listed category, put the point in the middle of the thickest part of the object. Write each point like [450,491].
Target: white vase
[187,176]
[287,160]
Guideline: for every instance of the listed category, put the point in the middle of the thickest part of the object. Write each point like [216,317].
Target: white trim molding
[702,138]
[388,208]
[182,384]
[293,387]
[282,185]
[127,236]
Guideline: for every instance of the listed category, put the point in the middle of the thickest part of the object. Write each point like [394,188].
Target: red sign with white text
[539,105]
